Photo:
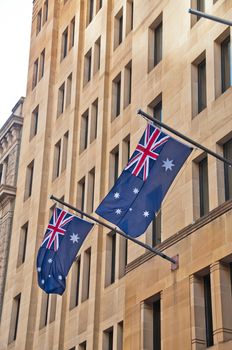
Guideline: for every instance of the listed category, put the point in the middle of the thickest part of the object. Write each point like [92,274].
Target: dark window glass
[156,230]
[225,64]
[156,325]
[208,311]
[157,111]
[203,187]
[113,253]
[116,160]
[227,150]
[158,43]
[201,71]
[118,97]
[120,20]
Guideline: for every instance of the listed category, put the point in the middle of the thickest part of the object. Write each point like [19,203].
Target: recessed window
[39,22]
[57,158]
[97,55]
[45,11]
[91,190]
[75,284]
[87,66]
[116,96]
[110,259]
[29,180]
[64,151]
[227,152]
[90,8]
[42,64]
[64,44]
[199,94]
[44,310]
[203,186]
[155,107]
[84,131]
[83,346]
[34,122]
[35,73]
[22,244]
[14,319]
[86,275]
[225,64]
[155,43]
[53,301]
[156,230]
[198,5]
[108,338]
[69,90]
[114,166]
[72,33]
[129,16]
[99,5]
[61,94]
[81,194]
[151,323]
[94,121]
[118,28]
[127,84]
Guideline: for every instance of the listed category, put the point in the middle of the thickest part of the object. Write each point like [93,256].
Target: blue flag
[62,240]
[138,192]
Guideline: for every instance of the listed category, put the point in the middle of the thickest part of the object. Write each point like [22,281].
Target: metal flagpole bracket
[175,266]
[212,18]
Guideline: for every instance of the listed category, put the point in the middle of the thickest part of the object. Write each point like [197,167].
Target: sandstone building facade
[10,138]
[92,64]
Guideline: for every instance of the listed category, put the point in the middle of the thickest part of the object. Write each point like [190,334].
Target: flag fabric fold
[62,241]
[137,194]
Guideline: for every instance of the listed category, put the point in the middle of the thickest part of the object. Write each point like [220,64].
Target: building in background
[92,64]
[10,138]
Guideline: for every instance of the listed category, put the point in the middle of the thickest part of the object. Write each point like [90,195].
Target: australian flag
[62,240]
[137,194]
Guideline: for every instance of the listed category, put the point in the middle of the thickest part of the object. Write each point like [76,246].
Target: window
[14,319]
[227,152]
[129,16]
[39,22]
[88,64]
[151,323]
[61,93]
[22,244]
[83,346]
[86,274]
[155,47]
[75,284]
[114,164]
[34,122]
[84,131]
[29,180]
[53,300]
[108,337]
[42,63]
[35,73]
[116,96]
[208,311]
[64,151]
[4,171]
[90,11]
[97,55]
[120,336]
[203,187]
[118,28]
[1,174]
[94,121]
[155,107]
[99,5]
[57,156]
[81,194]
[44,310]
[72,33]
[64,44]
[91,188]
[156,230]
[225,65]
[45,11]
[110,259]
[198,5]
[127,84]
[199,96]
[69,90]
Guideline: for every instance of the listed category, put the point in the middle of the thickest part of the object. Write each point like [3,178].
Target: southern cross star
[38,269]
[118,211]
[168,164]
[50,261]
[116,195]
[60,277]
[135,190]
[146,213]
[74,238]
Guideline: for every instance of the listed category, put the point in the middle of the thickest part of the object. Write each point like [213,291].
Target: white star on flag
[146,213]
[130,209]
[118,211]
[74,238]
[135,190]
[168,164]
[50,261]
[116,195]
[38,269]
[60,277]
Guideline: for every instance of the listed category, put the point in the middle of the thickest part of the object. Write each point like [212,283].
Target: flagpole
[213,18]
[186,138]
[111,228]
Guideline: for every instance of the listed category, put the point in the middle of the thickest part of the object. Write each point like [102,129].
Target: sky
[15,31]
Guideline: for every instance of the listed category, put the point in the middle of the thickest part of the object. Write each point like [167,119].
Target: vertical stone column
[221,302]
[197,310]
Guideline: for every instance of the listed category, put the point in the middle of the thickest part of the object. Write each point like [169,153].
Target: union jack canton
[146,152]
